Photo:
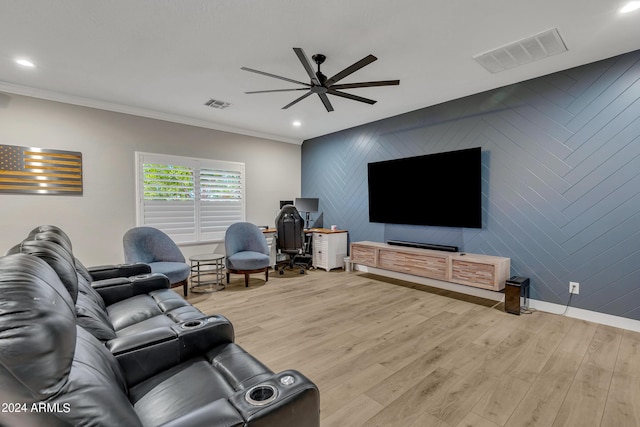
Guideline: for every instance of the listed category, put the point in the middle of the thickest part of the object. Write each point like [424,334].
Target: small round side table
[207,273]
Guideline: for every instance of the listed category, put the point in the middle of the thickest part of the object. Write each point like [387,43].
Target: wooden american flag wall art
[29,170]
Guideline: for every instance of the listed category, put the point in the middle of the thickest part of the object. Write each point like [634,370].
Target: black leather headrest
[37,327]
[57,257]
[53,236]
[49,228]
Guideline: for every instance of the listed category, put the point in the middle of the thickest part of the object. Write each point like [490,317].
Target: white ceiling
[166,58]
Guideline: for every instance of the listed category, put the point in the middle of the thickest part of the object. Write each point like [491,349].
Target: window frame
[199,235]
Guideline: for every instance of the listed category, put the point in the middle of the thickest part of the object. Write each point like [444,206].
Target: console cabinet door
[363,254]
[425,265]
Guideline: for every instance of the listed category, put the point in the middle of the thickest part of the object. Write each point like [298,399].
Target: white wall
[97,220]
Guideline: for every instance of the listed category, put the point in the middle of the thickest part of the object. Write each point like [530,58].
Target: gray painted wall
[97,220]
[561,179]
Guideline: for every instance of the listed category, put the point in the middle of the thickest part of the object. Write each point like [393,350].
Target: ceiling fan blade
[351,69]
[277,90]
[274,76]
[297,100]
[326,102]
[366,84]
[350,96]
[306,64]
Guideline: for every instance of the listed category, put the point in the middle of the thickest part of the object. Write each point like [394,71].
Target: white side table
[207,273]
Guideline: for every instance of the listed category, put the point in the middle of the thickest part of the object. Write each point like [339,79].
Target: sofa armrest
[286,399]
[147,353]
[117,289]
[198,336]
[101,272]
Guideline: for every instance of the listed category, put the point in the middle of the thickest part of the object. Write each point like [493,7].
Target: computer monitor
[306,205]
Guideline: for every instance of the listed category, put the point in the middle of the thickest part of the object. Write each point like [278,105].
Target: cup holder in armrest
[261,394]
[192,324]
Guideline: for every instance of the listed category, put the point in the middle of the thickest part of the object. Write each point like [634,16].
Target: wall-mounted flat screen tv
[442,189]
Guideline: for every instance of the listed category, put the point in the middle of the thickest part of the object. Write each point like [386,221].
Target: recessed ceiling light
[297,123]
[630,7]
[25,62]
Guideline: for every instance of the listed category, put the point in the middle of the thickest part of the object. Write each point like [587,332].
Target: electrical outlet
[574,288]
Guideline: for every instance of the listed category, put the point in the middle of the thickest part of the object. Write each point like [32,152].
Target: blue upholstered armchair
[153,247]
[246,250]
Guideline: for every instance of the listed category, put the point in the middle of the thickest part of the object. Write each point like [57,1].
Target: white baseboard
[577,313]
[588,315]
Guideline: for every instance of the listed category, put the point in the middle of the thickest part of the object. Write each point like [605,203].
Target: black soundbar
[423,245]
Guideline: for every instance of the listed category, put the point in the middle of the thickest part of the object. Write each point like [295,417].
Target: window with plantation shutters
[192,200]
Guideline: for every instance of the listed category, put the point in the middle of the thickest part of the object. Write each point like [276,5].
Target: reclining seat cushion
[159,308]
[142,307]
[224,371]
[174,306]
[178,391]
[132,310]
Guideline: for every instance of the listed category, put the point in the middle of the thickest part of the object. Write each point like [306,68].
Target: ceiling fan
[321,85]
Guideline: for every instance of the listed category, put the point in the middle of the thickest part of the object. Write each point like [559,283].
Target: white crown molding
[134,111]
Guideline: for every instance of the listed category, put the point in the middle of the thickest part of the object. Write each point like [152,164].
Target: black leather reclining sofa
[169,365]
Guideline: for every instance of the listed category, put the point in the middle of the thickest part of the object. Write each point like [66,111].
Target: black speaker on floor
[516,289]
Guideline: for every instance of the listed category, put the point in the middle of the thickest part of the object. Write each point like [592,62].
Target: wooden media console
[480,271]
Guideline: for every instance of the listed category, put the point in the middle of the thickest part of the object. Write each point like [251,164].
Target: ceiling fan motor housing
[318,58]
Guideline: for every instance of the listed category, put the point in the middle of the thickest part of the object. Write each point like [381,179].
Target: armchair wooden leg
[246,280]
[228,274]
[184,284]
[266,275]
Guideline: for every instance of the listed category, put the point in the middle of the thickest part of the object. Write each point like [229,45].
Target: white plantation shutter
[192,200]
[221,200]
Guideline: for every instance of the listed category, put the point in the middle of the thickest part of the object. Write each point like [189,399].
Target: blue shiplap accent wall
[561,179]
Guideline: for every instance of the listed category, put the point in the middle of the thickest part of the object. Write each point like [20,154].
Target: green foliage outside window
[168,182]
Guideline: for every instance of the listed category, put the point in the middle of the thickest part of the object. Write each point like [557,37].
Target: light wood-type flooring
[389,353]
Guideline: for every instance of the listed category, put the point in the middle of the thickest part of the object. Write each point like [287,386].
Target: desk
[207,270]
[327,247]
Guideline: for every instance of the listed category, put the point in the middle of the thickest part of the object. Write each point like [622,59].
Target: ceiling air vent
[215,103]
[523,51]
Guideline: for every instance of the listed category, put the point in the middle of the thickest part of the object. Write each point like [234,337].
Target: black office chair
[290,241]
